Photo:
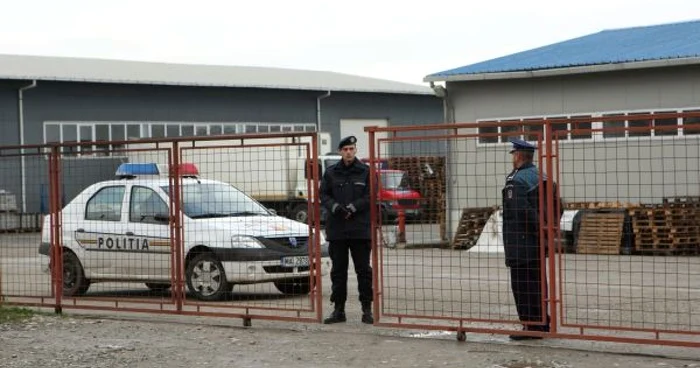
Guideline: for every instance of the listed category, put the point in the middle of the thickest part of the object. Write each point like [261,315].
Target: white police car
[118,230]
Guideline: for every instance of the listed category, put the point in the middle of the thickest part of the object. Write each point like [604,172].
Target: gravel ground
[94,340]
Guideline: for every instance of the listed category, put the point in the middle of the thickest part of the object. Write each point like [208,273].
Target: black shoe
[336,317]
[367,313]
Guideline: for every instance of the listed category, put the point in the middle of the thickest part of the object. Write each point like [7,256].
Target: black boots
[337,316]
[367,313]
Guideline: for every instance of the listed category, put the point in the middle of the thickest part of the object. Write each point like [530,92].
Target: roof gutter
[20,113]
[564,71]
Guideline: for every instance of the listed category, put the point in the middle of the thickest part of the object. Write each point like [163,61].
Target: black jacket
[342,185]
[521,216]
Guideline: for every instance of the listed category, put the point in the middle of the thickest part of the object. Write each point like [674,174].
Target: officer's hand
[350,209]
[341,211]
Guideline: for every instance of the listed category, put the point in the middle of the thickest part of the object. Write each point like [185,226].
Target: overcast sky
[383,39]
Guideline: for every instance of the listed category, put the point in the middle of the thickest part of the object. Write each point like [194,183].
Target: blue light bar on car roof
[137,169]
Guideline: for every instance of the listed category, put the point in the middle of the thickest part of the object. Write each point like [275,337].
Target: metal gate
[170,226]
[620,265]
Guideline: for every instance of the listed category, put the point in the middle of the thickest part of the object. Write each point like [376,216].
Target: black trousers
[360,251]
[525,282]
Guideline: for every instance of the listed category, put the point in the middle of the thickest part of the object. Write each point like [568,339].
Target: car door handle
[80,230]
[129,233]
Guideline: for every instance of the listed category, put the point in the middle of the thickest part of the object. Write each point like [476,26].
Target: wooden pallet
[671,227]
[471,224]
[600,233]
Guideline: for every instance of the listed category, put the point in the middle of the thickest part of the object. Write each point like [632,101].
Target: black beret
[347,141]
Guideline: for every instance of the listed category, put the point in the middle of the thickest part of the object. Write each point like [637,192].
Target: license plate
[295,261]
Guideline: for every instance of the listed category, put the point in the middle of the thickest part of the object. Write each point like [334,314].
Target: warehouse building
[52,99]
[617,73]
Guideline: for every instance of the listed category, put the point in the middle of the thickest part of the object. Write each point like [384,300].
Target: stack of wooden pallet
[600,233]
[427,175]
[672,227]
[598,205]
[471,224]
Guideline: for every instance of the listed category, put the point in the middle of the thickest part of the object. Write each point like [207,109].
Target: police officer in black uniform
[345,194]
[521,237]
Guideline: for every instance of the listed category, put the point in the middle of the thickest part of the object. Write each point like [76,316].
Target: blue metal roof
[666,41]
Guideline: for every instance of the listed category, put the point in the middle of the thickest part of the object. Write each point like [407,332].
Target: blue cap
[347,141]
[521,145]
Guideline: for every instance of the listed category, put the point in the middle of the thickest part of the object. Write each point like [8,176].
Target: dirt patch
[185,342]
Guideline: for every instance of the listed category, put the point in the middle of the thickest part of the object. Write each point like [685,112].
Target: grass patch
[15,314]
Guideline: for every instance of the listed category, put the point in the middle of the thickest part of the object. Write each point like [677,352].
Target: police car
[119,230]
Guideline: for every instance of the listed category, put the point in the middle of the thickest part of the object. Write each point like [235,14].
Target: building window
[691,130]
[230,129]
[611,123]
[638,123]
[488,130]
[64,132]
[510,131]
[672,122]
[157,130]
[581,125]
[614,123]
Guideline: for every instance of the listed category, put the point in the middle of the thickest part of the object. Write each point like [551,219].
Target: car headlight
[242,241]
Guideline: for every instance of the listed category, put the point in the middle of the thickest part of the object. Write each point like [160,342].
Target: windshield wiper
[246,213]
[219,215]
[209,215]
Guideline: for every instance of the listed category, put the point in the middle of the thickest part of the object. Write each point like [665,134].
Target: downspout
[318,110]
[23,163]
[447,118]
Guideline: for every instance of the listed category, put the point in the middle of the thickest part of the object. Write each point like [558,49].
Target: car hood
[257,226]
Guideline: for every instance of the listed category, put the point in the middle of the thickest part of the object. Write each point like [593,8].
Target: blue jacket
[343,185]
[521,216]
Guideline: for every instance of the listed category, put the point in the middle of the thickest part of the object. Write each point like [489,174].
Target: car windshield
[210,200]
[394,180]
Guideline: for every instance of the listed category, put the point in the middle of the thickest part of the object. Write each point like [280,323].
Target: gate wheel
[461,336]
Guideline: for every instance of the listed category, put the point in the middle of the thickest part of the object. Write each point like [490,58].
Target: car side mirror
[272,211]
[162,217]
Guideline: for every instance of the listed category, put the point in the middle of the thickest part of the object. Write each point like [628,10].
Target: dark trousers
[360,251]
[525,283]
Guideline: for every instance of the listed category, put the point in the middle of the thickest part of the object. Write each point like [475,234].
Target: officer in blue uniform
[345,195]
[521,237]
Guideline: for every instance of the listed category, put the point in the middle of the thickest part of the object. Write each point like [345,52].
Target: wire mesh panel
[114,228]
[616,215]
[24,196]
[445,269]
[631,230]
[245,250]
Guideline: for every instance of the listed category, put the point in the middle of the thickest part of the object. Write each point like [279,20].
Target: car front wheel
[74,282]
[206,277]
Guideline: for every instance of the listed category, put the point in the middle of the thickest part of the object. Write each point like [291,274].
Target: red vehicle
[396,195]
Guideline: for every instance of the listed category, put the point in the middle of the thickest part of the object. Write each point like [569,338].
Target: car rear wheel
[74,282]
[297,286]
[206,277]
